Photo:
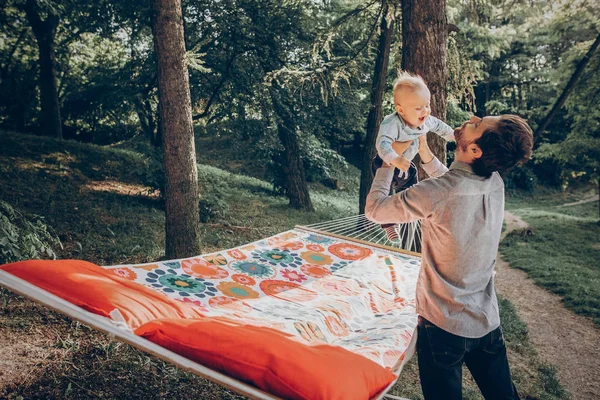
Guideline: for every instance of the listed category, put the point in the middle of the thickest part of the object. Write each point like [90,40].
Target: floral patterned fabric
[318,288]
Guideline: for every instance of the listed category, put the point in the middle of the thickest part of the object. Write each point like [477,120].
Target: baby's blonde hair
[409,81]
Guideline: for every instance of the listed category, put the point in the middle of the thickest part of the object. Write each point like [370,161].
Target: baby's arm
[385,148]
[389,149]
[441,128]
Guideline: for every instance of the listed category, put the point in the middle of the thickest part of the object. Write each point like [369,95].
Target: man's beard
[460,143]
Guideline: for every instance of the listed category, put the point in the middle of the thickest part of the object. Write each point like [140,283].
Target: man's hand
[402,164]
[424,150]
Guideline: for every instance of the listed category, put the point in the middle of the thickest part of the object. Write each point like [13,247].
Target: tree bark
[44,31]
[295,176]
[179,155]
[375,110]
[424,52]
[567,90]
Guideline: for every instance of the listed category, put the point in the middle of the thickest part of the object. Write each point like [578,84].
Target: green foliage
[320,162]
[24,237]
[577,158]
[521,55]
[150,171]
[520,178]
[455,116]
[213,206]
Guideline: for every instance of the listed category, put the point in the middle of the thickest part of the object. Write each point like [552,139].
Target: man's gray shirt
[461,217]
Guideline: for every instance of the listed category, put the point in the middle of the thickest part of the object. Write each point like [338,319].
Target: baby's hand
[402,164]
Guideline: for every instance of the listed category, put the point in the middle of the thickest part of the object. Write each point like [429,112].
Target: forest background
[272,82]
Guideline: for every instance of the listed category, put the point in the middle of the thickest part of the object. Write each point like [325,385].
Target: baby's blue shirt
[394,129]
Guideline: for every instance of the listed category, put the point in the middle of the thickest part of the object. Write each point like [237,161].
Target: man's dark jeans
[441,356]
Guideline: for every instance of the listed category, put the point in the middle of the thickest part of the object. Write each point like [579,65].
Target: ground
[562,338]
[94,197]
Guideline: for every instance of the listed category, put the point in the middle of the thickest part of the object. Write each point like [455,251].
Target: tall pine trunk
[179,154]
[44,31]
[295,176]
[375,110]
[424,52]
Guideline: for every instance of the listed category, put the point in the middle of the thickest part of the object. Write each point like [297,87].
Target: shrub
[151,171]
[24,237]
[213,206]
[520,178]
[320,162]
[455,116]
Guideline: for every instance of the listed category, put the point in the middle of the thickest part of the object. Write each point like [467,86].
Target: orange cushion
[99,291]
[271,360]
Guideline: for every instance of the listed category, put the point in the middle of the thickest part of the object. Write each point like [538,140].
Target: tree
[179,155]
[293,169]
[44,30]
[273,53]
[424,52]
[567,90]
[375,109]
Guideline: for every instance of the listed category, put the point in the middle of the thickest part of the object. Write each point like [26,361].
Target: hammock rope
[360,228]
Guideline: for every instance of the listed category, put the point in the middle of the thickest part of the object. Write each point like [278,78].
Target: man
[461,209]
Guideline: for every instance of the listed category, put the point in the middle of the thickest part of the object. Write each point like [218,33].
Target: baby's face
[413,106]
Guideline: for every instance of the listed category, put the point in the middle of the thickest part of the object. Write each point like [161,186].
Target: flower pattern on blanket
[320,289]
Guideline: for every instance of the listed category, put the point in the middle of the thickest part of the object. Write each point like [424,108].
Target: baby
[411,120]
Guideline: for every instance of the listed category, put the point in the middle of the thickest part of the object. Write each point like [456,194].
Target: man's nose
[474,119]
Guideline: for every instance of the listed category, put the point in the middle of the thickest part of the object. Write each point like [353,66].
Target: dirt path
[594,197]
[562,338]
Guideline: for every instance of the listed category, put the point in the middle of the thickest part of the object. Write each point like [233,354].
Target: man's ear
[474,151]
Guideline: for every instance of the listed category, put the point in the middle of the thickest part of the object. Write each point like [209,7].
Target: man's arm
[430,163]
[409,205]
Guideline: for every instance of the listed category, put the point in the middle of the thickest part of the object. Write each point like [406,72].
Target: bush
[520,178]
[549,172]
[151,172]
[24,237]
[320,162]
[455,116]
[213,206]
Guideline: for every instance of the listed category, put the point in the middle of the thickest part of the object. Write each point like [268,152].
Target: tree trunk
[567,90]
[179,155]
[295,177]
[424,52]
[44,31]
[375,110]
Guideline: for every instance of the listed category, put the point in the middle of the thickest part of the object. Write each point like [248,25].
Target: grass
[96,200]
[562,255]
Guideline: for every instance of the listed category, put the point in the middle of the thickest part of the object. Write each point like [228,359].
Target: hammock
[325,311]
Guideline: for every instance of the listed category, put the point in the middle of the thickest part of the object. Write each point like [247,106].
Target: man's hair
[503,146]
[406,80]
